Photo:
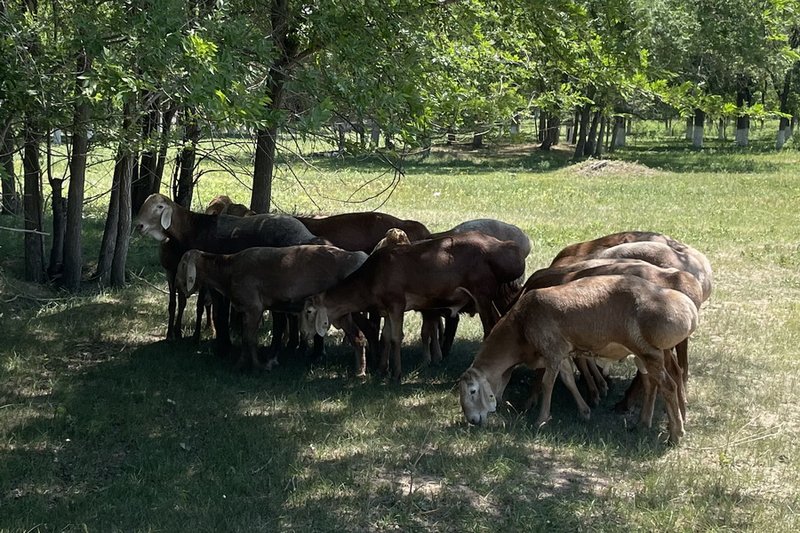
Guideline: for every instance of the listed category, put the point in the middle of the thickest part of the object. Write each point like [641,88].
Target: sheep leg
[435,343]
[278,329]
[450,327]
[568,378]
[675,372]
[591,387]
[632,394]
[293,341]
[683,360]
[488,320]
[536,390]
[199,308]
[179,315]
[173,295]
[431,350]
[669,392]
[221,317]
[395,319]
[599,379]
[358,340]
[318,351]
[369,333]
[548,380]
[386,347]
[251,319]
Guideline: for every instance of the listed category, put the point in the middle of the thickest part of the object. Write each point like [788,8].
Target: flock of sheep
[631,293]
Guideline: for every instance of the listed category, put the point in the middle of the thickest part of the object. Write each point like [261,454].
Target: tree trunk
[516,121]
[375,135]
[73,260]
[124,219]
[689,128]
[598,147]
[56,266]
[542,134]
[10,204]
[582,132]
[183,190]
[477,140]
[263,169]
[699,126]
[163,145]
[591,140]
[286,44]
[551,131]
[784,125]
[617,134]
[109,241]
[743,120]
[144,178]
[721,129]
[32,207]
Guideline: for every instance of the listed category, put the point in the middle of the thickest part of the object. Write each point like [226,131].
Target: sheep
[266,278]
[361,231]
[654,248]
[445,273]
[610,316]
[431,324]
[670,278]
[167,222]
[499,230]
[587,249]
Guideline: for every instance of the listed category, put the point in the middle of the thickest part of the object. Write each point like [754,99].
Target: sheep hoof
[270,364]
[586,414]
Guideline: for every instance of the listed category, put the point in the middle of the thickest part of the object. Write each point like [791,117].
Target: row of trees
[150,76]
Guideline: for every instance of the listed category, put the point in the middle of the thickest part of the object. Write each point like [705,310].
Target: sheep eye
[473,391]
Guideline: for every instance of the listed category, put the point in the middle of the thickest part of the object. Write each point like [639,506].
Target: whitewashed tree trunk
[783,133]
[743,131]
[619,131]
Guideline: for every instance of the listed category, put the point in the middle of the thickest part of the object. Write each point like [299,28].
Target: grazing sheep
[610,316]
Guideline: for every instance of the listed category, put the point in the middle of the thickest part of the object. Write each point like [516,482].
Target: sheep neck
[348,297]
[185,227]
[500,352]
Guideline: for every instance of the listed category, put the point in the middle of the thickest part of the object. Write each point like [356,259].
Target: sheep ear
[321,323]
[166,217]
[191,274]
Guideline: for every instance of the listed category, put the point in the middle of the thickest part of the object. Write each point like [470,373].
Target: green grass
[105,426]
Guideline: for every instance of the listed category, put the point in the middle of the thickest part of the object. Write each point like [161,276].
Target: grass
[105,426]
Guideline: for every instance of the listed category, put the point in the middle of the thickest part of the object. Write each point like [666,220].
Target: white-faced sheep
[603,315]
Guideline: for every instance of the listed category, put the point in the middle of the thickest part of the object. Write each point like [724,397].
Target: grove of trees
[152,78]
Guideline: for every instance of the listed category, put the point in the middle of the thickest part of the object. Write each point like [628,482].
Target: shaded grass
[105,425]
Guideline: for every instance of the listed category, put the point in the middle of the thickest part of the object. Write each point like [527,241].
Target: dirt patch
[603,167]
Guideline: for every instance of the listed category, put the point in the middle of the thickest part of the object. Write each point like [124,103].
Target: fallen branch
[34,231]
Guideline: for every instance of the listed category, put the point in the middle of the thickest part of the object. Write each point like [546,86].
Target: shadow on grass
[715,156]
[460,160]
[166,436]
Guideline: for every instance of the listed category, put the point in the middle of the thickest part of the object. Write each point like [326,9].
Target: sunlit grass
[105,424]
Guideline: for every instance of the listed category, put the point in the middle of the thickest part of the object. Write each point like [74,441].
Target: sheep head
[155,217]
[186,276]
[314,318]
[477,397]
